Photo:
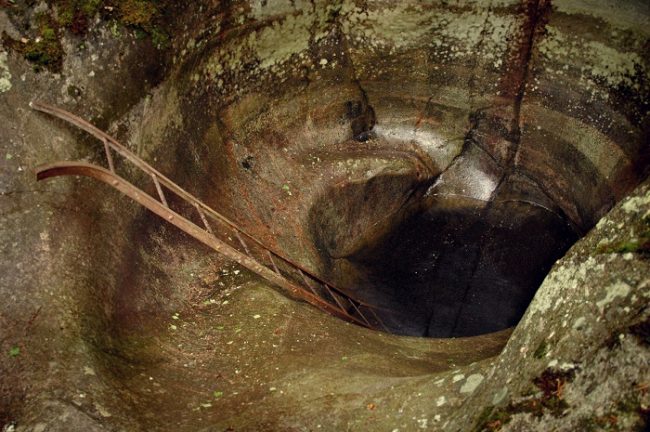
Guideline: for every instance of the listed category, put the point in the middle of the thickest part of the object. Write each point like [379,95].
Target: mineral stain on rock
[5,74]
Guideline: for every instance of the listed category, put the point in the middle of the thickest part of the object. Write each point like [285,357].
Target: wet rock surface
[437,158]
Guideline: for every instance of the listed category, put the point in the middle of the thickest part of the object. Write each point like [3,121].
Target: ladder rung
[307,283]
[208,228]
[241,240]
[360,313]
[207,236]
[109,156]
[159,189]
[273,262]
[378,319]
[336,298]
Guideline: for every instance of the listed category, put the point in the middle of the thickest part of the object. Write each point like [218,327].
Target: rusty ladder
[247,251]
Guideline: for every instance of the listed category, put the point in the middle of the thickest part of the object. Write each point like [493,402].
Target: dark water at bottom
[463,270]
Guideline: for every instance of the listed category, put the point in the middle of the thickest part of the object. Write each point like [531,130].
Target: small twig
[33,318]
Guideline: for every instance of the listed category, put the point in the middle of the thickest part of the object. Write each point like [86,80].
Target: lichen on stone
[618,289]
[601,61]
[471,383]
[275,44]
[5,74]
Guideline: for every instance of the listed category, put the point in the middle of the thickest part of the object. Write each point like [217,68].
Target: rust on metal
[109,156]
[275,267]
[208,228]
[243,243]
[334,296]
[309,285]
[205,235]
[356,308]
[161,194]
[146,200]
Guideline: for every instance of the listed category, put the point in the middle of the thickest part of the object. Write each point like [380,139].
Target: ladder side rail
[146,200]
[159,179]
[127,154]
[169,184]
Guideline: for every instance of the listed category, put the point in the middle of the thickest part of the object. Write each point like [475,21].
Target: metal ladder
[247,251]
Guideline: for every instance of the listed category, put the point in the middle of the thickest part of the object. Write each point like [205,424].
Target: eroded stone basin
[443,191]
[456,253]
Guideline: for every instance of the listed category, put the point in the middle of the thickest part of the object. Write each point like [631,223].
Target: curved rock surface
[437,157]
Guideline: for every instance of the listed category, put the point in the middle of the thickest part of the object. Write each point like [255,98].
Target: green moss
[492,419]
[65,17]
[45,50]
[587,424]
[639,245]
[75,15]
[49,33]
[499,419]
[138,13]
[144,18]
[555,405]
[160,38]
[483,419]
[90,7]
[541,350]
[551,383]
[139,33]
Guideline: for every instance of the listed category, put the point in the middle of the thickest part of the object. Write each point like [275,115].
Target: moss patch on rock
[640,244]
[75,15]
[44,49]
[550,382]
